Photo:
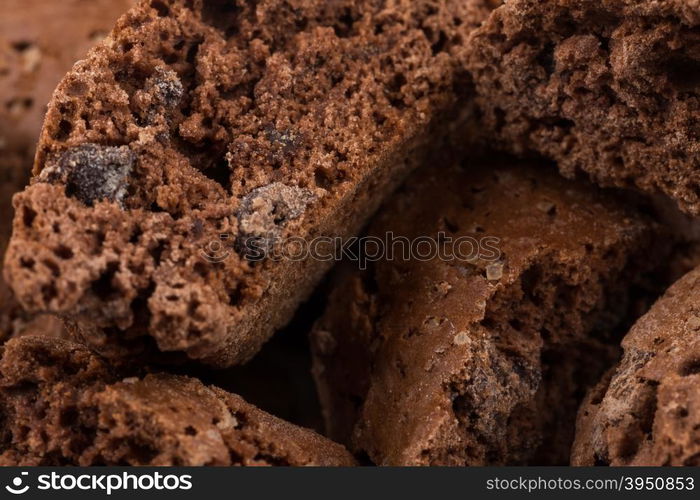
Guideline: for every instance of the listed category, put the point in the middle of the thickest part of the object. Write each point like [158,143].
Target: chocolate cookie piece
[610,88]
[647,411]
[63,405]
[248,122]
[39,42]
[479,352]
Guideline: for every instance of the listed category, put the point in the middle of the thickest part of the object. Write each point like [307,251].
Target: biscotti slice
[475,350]
[608,88]
[39,42]
[647,411]
[62,405]
[202,134]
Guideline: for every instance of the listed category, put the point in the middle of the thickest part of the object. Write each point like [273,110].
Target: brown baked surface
[63,405]
[608,88]
[253,120]
[447,362]
[647,411]
[39,42]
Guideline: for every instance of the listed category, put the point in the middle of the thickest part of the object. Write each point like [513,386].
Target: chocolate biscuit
[63,405]
[216,129]
[39,42]
[479,354]
[607,88]
[647,410]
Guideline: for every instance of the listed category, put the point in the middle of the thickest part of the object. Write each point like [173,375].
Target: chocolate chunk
[166,87]
[93,173]
[266,211]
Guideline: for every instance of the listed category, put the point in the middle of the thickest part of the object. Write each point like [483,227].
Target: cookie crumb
[462,338]
[494,271]
[693,323]
[166,87]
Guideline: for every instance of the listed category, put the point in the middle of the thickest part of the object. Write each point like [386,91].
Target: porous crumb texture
[647,410]
[608,88]
[39,42]
[253,120]
[63,405]
[481,361]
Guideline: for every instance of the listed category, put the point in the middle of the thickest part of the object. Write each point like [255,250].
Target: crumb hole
[691,367]
[63,131]
[28,216]
[103,287]
[222,15]
[220,173]
[22,46]
[63,252]
[683,72]
[160,8]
